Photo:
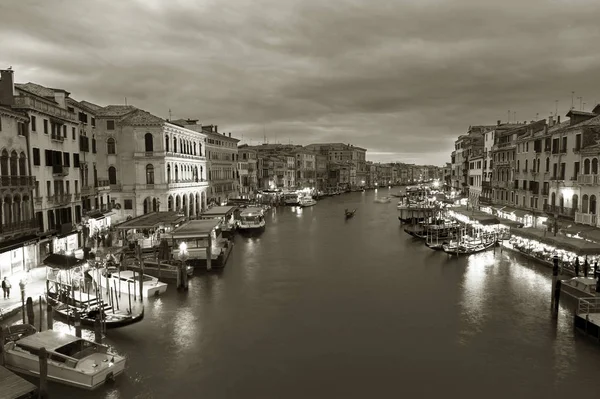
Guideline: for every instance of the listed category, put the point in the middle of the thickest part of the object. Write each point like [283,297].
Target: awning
[580,247]
[151,221]
[577,229]
[520,213]
[65,262]
[18,242]
[592,234]
[97,215]
[510,223]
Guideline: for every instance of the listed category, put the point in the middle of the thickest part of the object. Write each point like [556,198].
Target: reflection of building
[153,165]
[18,227]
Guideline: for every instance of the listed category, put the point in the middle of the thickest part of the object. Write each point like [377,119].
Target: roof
[90,105]
[39,90]
[195,229]
[141,117]
[49,339]
[13,112]
[115,110]
[582,113]
[151,220]
[218,211]
[65,262]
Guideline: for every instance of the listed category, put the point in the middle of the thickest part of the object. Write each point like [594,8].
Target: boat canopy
[151,221]
[252,212]
[218,211]
[195,229]
[64,262]
[48,339]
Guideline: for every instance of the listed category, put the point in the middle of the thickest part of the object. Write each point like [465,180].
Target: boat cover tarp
[64,262]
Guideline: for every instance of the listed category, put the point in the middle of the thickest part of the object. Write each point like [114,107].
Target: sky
[401,78]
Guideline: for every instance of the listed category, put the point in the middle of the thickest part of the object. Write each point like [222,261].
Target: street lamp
[183,256]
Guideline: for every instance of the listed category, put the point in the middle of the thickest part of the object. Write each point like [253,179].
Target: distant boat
[349,214]
[382,200]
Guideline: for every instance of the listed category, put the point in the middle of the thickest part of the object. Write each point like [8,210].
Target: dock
[587,317]
[13,386]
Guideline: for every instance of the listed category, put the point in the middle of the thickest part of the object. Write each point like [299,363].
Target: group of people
[6,286]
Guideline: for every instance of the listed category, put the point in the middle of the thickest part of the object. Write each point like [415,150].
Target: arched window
[149,174]
[166,143]
[176,174]
[586,167]
[593,204]
[547,164]
[22,164]
[4,163]
[553,199]
[111,147]
[595,166]
[112,175]
[575,202]
[149,140]
[200,149]
[195,149]
[585,204]
[168,173]
[14,164]
[174,144]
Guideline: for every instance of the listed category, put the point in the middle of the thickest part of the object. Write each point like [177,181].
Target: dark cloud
[401,78]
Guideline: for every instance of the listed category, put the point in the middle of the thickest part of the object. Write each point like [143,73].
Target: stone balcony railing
[26,182]
[18,227]
[28,102]
[585,218]
[587,179]
[560,210]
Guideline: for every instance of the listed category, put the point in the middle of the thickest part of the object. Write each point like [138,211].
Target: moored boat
[467,248]
[349,214]
[251,219]
[306,201]
[579,287]
[382,200]
[127,281]
[71,360]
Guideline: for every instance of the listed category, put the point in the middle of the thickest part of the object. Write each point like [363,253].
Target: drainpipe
[29,154]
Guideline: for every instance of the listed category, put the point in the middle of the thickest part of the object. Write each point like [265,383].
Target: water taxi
[252,219]
[71,360]
[306,201]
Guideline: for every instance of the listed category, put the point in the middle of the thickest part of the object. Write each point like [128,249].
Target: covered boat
[127,281]
[71,360]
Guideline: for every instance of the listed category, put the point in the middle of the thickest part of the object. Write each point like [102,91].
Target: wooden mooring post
[77,325]
[555,270]
[30,314]
[49,317]
[43,359]
[98,330]
[41,313]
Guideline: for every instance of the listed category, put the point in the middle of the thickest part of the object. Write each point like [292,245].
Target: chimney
[498,123]
[550,121]
[229,134]
[7,87]
[545,129]
[216,130]
[558,119]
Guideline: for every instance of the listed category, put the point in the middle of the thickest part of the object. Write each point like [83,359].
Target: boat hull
[149,289]
[26,363]
[464,250]
[578,289]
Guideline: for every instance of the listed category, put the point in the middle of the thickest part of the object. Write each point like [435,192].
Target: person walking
[6,288]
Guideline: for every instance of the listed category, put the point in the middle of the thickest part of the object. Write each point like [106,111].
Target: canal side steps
[587,317]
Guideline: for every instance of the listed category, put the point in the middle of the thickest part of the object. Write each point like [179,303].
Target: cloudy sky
[401,78]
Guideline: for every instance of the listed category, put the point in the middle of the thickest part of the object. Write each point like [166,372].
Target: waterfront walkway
[35,287]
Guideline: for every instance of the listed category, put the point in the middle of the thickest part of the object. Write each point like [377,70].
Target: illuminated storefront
[66,244]
[19,259]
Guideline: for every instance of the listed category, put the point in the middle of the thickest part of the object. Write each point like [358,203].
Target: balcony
[88,190]
[38,200]
[501,184]
[186,184]
[76,196]
[181,156]
[18,227]
[57,138]
[585,218]
[560,210]
[587,179]
[486,184]
[546,191]
[26,182]
[576,150]
[62,199]
[59,171]
[41,105]
[510,164]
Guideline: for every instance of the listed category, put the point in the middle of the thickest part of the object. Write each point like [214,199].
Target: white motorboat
[579,287]
[71,360]
[113,279]
[382,200]
[251,219]
[307,201]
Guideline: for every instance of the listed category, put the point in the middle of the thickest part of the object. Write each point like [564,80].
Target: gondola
[436,246]
[349,214]
[461,249]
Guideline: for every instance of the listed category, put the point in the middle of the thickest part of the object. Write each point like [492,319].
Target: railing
[17,227]
[77,196]
[88,190]
[562,211]
[182,184]
[38,200]
[576,149]
[57,137]
[17,181]
[585,218]
[180,155]
[587,179]
[62,199]
[59,170]
[103,183]
[29,102]
[588,305]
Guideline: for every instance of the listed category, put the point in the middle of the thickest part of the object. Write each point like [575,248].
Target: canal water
[322,307]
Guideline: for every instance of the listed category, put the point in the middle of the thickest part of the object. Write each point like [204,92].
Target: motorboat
[127,281]
[382,200]
[251,219]
[349,214]
[579,287]
[306,201]
[71,360]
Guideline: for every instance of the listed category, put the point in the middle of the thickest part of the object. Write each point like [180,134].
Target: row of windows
[13,164]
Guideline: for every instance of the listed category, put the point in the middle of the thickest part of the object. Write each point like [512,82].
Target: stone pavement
[35,287]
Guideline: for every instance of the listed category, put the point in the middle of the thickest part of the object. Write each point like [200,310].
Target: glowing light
[183,247]
[567,192]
